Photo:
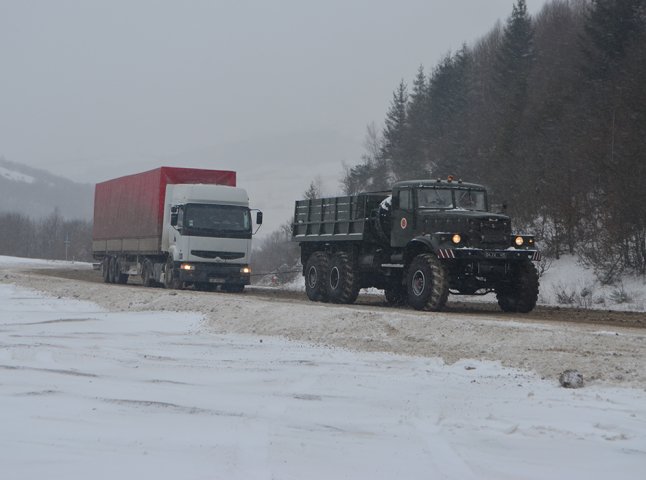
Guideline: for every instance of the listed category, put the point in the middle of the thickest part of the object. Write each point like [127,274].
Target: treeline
[52,237]
[550,113]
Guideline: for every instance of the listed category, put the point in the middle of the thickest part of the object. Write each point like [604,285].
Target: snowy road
[90,393]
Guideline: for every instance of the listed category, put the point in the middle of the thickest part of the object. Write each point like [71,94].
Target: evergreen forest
[547,111]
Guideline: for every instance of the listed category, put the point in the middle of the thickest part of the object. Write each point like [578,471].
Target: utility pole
[67,244]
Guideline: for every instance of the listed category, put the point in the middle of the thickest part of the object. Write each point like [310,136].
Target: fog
[280,91]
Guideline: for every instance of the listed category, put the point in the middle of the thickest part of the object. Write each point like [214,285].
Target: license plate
[216,280]
[494,254]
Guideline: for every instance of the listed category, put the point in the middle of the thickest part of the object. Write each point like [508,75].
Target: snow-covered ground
[20,262]
[568,283]
[90,393]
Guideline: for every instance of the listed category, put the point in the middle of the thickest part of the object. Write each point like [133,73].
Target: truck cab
[450,214]
[207,234]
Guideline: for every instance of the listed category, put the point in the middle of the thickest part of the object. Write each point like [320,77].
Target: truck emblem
[404,223]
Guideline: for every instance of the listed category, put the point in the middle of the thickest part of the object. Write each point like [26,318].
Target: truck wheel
[112,270]
[170,276]
[343,286]
[147,274]
[522,293]
[119,277]
[233,288]
[426,283]
[395,295]
[316,271]
[105,269]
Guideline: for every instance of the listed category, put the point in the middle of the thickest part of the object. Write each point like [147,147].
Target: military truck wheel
[343,285]
[171,279]
[395,295]
[316,272]
[522,293]
[233,288]
[426,283]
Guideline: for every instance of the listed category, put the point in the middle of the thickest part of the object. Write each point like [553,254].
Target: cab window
[405,202]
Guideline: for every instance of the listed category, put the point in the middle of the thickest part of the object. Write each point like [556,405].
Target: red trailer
[129,211]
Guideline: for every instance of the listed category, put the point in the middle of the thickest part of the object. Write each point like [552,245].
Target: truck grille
[494,230]
[222,255]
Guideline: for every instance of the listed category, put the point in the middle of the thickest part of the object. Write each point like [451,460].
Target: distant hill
[37,193]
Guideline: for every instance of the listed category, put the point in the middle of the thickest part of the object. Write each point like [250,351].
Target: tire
[343,285]
[233,288]
[170,276]
[105,269]
[521,294]
[112,270]
[316,273]
[121,278]
[395,295]
[426,283]
[147,271]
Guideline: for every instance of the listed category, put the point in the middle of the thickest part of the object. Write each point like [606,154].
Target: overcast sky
[84,82]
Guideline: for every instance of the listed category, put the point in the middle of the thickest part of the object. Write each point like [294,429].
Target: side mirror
[258,218]
[174,215]
[395,201]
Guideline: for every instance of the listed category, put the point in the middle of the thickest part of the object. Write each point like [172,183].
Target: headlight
[519,241]
[245,270]
[187,266]
[456,238]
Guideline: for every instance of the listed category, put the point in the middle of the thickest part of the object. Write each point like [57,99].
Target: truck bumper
[214,273]
[489,255]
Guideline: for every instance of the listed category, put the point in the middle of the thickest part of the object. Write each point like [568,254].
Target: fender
[424,243]
[172,253]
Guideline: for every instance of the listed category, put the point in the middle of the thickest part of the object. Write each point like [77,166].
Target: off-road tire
[316,274]
[233,288]
[171,280]
[343,284]
[519,295]
[426,283]
[396,295]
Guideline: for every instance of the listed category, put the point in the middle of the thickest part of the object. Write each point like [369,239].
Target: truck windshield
[471,200]
[434,198]
[444,198]
[217,220]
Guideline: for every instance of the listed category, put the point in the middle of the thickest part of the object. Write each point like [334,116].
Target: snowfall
[87,392]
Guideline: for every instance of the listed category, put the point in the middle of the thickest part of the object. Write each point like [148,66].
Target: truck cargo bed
[335,219]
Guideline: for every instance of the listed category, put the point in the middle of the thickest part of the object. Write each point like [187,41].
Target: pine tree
[395,131]
[417,158]
[448,114]
[513,67]
[611,27]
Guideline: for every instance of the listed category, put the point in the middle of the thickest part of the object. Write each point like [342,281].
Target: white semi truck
[176,227]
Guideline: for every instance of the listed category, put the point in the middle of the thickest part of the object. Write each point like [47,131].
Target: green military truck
[419,242]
